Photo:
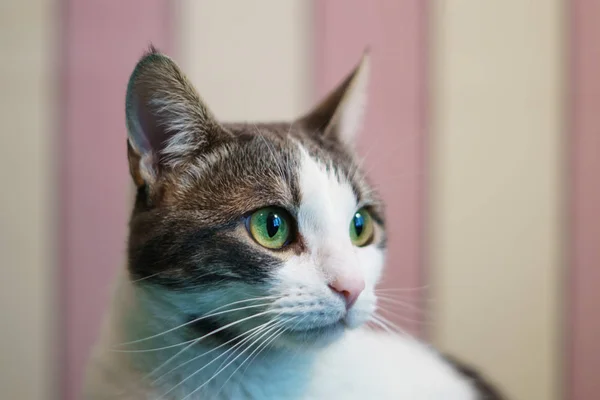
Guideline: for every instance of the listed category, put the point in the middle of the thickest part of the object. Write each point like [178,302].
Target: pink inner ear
[156,77]
[352,109]
[340,113]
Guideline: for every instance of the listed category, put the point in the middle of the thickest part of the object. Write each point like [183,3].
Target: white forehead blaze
[327,205]
[326,209]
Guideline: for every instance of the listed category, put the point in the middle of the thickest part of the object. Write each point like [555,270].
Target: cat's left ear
[340,114]
[168,124]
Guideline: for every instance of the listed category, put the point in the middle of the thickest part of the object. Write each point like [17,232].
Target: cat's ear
[167,122]
[340,114]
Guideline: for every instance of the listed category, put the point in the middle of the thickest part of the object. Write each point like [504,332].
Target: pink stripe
[101,43]
[585,202]
[394,136]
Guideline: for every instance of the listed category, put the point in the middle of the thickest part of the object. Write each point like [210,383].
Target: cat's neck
[169,364]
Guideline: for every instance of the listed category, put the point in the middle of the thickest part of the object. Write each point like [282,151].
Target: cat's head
[247,227]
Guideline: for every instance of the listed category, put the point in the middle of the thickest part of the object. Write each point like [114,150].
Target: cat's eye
[271,227]
[361,228]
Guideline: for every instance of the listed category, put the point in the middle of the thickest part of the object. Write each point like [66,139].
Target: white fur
[350,362]
[328,205]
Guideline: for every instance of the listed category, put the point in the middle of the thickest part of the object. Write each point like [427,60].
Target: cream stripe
[496,187]
[249,60]
[27,258]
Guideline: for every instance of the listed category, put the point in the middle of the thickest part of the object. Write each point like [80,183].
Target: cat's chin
[319,336]
[316,337]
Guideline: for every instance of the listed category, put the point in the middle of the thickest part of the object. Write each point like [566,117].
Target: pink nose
[350,288]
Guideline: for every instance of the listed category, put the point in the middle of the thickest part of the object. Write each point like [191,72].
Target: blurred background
[482,133]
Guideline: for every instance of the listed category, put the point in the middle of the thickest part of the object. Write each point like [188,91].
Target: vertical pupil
[273,224]
[359,224]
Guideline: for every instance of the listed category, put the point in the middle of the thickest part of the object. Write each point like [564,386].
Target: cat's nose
[350,287]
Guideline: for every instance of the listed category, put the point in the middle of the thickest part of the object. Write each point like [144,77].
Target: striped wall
[102,41]
[482,133]
[496,217]
[583,317]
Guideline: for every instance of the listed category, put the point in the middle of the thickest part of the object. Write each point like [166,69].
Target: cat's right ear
[340,114]
[167,122]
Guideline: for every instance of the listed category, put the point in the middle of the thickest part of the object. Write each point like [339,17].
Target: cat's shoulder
[368,364]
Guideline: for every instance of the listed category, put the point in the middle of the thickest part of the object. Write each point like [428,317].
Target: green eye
[270,227]
[361,228]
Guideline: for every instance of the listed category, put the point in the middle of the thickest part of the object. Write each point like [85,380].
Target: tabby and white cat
[254,252]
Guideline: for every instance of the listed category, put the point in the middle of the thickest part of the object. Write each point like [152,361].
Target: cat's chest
[360,366]
[370,366]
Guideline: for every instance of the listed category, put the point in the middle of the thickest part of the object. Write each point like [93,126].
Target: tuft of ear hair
[167,121]
[340,114]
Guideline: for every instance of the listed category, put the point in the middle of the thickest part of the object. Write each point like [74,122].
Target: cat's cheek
[296,276]
[371,261]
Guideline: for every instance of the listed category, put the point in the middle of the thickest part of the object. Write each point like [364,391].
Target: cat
[253,256]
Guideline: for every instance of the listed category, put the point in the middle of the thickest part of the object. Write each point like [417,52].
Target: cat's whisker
[212,350]
[408,289]
[194,341]
[403,317]
[297,349]
[402,304]
[210,314]
[181,343]
[389,323]
[231,350]
[231,362]
[290,128]
[381,325]
[360,163]
[388,326]
[401,295]
[406,295]
[268,330]
[413,300]
[295,325]
[145,277]
[260,348]
[276,324]
[275,159]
